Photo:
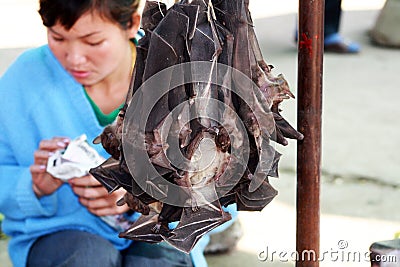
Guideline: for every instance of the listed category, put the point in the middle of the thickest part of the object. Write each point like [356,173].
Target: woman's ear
[134,27]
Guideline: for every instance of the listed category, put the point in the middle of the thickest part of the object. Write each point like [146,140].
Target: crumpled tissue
[75,160]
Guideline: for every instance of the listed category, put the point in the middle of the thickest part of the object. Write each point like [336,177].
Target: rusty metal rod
[309,113]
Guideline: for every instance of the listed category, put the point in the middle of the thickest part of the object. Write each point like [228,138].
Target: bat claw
[156,228]
[195,206]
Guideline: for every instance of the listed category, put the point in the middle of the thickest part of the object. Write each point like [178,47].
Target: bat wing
[103,175]
[195,224]
[255,200]
[147,229]
[268,158]
[153,13]
[273,172]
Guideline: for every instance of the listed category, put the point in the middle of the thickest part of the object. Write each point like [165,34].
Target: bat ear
[97,140]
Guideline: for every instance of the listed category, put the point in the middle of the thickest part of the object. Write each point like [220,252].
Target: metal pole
[310,61]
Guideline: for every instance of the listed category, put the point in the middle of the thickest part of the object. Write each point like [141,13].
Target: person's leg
[141,254]
[333,41]
[73,248]
[333,12]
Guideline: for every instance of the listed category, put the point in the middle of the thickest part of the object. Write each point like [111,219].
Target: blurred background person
[333,40]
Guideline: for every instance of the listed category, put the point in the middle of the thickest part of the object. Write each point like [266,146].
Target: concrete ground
[360,188]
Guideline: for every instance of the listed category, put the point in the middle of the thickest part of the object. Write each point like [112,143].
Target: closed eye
[57,39]
[95,43]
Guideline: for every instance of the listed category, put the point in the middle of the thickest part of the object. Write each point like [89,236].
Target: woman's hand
[44,183]
[96,198]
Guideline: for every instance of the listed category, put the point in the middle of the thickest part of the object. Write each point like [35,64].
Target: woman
[74,85]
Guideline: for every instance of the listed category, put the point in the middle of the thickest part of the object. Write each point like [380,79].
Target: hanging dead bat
[194,135]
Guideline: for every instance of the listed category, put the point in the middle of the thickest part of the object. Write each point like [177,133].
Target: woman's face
[94,49]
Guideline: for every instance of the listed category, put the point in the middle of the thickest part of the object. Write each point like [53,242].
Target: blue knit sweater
[40,100]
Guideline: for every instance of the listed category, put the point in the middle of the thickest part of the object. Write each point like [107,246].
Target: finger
[90,192]
[109,200]
[44,178]
[64,139]
[98,203]
[54,144]
[44,183]
[37,191]
[37,168]
[41,156]
[109,211]
[86,180]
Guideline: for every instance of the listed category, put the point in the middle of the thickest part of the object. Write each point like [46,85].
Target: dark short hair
[67,12]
